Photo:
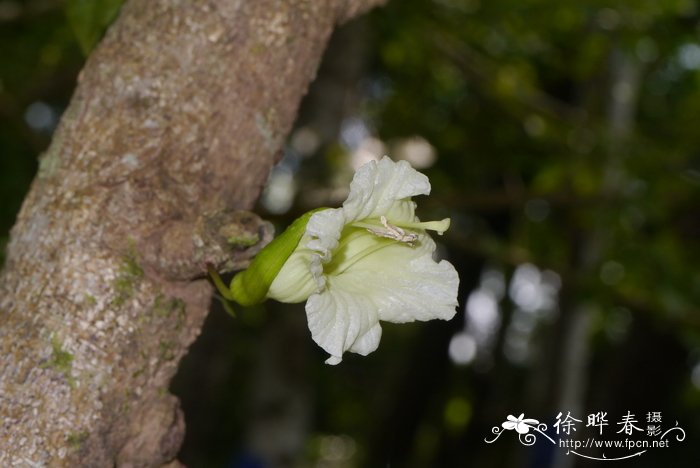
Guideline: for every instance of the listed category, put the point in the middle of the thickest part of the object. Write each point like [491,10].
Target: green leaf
[89,19]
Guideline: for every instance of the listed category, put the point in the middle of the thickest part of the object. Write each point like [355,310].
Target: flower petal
[323,231]
[508,425]
[340,320]
[384,188]
[403,282]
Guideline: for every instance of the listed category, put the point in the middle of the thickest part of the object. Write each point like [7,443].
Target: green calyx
[250,286]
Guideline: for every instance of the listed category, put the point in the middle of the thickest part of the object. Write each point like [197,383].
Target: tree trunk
[178,117]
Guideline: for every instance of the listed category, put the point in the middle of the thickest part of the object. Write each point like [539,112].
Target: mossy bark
[178,117]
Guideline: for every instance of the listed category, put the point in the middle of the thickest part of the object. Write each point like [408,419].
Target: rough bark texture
[178,117]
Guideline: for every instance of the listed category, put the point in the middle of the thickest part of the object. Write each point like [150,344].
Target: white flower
[367,261]
[522,426]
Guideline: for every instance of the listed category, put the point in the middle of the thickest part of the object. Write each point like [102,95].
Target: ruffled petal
[384,188]
[323,231]
[322,235]
[403,282]
[341,320]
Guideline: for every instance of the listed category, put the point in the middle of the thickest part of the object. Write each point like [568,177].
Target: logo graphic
[629,437]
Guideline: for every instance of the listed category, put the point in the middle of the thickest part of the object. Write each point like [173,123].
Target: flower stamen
[393,232]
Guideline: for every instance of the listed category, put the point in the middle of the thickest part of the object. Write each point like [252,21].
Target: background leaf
[89,19]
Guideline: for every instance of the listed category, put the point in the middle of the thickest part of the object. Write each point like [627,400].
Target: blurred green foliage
[566,137]
[89,19]
[524,101]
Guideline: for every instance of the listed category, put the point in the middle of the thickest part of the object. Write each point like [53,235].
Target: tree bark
[178,117]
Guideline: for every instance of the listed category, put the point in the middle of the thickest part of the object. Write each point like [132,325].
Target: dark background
[562,138]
